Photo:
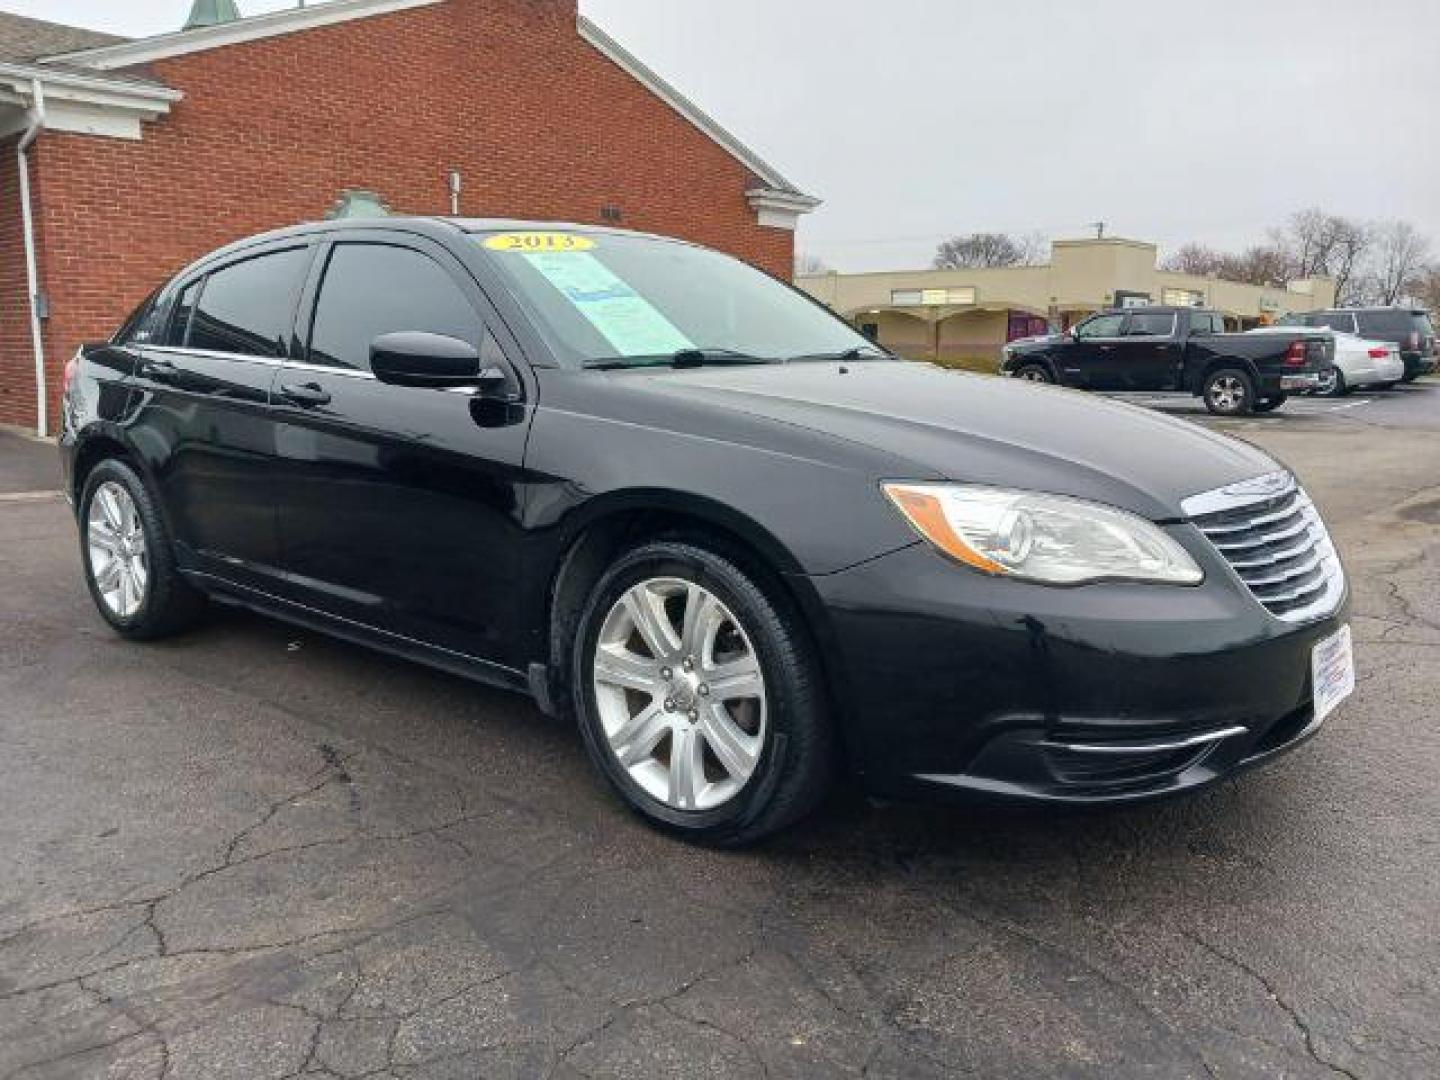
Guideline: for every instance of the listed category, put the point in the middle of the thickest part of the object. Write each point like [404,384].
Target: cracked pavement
[255,852]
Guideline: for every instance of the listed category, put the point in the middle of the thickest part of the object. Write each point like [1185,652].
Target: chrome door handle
[307,395]
[160,370]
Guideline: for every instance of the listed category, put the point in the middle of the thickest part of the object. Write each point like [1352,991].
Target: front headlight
[1046,538]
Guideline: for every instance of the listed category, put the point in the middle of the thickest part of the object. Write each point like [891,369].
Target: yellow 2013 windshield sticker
[537,243]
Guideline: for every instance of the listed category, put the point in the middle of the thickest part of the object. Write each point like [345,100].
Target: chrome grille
[1269,532]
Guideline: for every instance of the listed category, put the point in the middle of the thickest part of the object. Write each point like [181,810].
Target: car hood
[983,429]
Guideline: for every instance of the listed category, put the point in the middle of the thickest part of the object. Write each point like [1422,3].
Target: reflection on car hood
[984,430]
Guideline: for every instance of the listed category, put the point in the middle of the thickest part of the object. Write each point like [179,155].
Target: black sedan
[675,499]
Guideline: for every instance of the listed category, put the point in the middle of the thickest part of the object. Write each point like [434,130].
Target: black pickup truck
[1181,349]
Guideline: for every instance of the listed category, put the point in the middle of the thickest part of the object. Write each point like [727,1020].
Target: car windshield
[612,300]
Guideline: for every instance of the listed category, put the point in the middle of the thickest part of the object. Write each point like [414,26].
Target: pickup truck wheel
[1033,373]
[1229,392]
[1270,404]
[1332,383]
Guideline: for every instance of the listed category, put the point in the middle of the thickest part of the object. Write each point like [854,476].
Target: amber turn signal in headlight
[1051,539]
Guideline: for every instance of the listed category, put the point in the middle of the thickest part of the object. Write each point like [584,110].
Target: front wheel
[1034,373]
[1229,392]
[698,697]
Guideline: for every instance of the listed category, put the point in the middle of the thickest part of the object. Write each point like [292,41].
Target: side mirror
[415,358]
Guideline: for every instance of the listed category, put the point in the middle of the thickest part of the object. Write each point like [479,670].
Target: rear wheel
[1229,392]
[1034,373]
[1332,383]
[129,565]
[698,697]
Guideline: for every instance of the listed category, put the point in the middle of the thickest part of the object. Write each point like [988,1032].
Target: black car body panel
[1165,349]
[437,523]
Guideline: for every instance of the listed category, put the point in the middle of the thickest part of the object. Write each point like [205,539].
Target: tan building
[964,317]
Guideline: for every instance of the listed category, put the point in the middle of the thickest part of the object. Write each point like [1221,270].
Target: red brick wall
[539,123]
[17,363]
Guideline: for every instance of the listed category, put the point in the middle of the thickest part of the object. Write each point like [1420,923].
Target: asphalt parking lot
[253,852]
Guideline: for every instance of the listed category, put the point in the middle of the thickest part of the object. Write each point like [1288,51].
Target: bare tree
[1317,244]
[809,264]
[1425,288]
[1197,259]
[979,251]
[1034,248]
[1401,254]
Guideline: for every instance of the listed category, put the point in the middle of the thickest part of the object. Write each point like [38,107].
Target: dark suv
[1408,328]
[685,504]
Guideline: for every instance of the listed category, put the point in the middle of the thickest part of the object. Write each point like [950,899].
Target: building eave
[627,61]
[254,28]
[81,103]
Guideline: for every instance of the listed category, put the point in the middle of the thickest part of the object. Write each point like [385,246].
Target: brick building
[141,155]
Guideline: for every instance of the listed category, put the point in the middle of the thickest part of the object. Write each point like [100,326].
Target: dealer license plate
[1332,670]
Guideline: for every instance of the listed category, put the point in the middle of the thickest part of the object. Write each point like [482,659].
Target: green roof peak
[211,13]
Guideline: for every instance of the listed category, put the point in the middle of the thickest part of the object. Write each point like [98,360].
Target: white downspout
[32,273]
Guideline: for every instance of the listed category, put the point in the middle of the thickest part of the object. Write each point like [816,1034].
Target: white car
[1358,361]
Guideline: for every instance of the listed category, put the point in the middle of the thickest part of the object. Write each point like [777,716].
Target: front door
[399,506]
[1091,360]
[205,418]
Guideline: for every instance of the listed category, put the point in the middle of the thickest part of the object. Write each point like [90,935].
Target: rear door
[400,505]
[1092,359]
[205,418]
[1149,355]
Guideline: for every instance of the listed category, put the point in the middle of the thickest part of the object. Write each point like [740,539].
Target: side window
[1100,326]
[1385,325]
[248,307]
[1151,324]
[374,289]
[180,314]
[1337,320]
[139,328]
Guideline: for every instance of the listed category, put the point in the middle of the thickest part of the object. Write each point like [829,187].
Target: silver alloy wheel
[680,693]
[1227,393]
[1329,380]
[119,562]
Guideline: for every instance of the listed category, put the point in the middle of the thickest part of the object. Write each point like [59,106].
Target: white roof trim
[630,63]
[179,43]
[20,77]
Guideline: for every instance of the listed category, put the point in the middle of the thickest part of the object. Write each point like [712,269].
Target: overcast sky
[914,119]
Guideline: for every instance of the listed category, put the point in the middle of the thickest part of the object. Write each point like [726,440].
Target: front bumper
[958,684]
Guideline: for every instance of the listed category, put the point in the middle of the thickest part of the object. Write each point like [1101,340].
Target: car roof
[436,227]
[1369,310]
[1164,309]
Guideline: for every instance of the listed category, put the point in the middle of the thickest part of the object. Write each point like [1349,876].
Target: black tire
[1228,391]
[168,603]
[1338,388]
[1033,373]
[1270,404]
[1410,376]
[796,761]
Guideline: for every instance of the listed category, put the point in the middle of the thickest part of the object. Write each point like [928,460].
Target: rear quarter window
[141,327]
[1392,325]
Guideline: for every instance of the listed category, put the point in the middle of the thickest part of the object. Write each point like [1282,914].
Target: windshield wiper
[859,352]
[684,358]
